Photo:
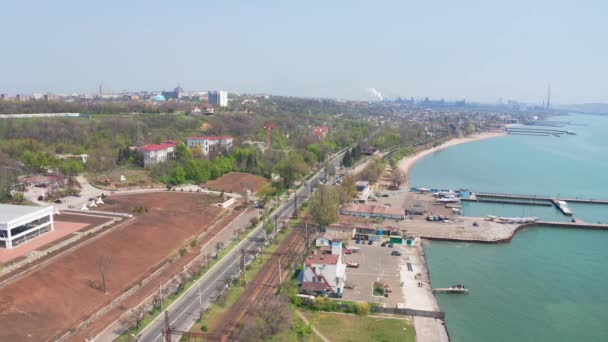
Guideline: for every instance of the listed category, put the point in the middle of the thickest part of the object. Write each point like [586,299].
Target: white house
[363,191]
[210,143]
[158,153]
[20,223]
[325,273]
[322,241]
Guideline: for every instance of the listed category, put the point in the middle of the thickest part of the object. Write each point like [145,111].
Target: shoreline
[407,163]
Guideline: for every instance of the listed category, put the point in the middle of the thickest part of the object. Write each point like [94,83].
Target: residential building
[218,98]
[21,223]
[320,132]
[373,211]
[363,191]
[158,153]
[211,143]
[325,273]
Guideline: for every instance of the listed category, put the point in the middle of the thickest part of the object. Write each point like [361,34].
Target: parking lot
[375,264]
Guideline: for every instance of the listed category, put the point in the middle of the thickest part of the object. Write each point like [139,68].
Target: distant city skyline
[472,50]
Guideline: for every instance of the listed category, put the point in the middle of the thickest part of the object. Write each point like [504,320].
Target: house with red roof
[158,153]
[325,271]
[210,143]
[320,131]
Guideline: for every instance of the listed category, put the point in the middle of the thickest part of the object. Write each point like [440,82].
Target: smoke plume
[375,93]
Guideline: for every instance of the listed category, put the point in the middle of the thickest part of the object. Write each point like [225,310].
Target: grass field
[352,328]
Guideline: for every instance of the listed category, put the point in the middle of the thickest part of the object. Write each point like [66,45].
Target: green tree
[324,205]
[347,160]
[291,167]
[183,153]
[178,176]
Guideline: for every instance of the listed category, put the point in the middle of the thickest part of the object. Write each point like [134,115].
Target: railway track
[263,286]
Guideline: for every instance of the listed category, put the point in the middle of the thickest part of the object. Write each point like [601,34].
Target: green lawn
[352,328]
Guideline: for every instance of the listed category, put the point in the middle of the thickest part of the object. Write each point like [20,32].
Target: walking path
[307,322]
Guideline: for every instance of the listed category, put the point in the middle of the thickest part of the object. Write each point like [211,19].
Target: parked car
[370,242]
[383,244]
[352,264]
[348,251]
[384,195]
[390,245]
[358,241]
[58,201]
[396,253]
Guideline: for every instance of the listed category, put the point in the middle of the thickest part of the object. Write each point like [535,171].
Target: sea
[547,284]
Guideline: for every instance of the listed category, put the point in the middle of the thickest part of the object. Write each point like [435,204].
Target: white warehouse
[20,223]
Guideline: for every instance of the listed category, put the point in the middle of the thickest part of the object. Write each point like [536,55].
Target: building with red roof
[325,271]
[158,153]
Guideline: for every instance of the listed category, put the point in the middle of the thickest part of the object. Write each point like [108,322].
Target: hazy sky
[478,50]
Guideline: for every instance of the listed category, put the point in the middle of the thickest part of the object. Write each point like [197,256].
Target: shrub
[182,251]
[362,308]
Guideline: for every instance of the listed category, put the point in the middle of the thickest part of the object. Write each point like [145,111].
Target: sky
[465,49]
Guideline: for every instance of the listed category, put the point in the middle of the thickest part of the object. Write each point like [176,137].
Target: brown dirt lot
[235,181]
[49,301]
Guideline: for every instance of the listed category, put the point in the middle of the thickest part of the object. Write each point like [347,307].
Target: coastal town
[344,231]
[303,172]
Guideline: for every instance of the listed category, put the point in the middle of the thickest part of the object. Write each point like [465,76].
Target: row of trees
[352,156]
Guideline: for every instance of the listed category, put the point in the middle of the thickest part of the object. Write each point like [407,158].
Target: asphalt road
[184,311]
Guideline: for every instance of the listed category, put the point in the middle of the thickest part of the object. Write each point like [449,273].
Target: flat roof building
[20,223]
[218,98]
[372,211]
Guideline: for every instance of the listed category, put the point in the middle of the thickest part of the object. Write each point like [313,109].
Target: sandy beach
[407,163]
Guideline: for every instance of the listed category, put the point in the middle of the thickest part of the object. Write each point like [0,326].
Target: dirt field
[51,300]
[236,182]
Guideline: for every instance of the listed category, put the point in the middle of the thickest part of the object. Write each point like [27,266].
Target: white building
[218,98]
[363,191]
[211,143]
[20,223]
[158,153]
[325,273]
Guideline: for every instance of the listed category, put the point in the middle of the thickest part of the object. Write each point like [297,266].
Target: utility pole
[295,205]
[280,276]
[242,266]
[160,294]
[306,237]
[200,297]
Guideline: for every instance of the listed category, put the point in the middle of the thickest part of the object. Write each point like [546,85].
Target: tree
[347,190]
[291,167]
[218,247]
[182,152]
[103,265]
[324,205]
[398,177]
[347,160]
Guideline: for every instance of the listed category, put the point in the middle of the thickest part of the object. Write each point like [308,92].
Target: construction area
[46,302]
[237,182]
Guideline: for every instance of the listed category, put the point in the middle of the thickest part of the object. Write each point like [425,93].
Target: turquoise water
[547,284]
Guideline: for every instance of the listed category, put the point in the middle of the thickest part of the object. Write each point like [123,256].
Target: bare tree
[398,177]
[132,318]
[218,247]
[103,265]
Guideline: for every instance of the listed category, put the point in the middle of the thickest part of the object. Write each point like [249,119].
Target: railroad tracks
[264,285]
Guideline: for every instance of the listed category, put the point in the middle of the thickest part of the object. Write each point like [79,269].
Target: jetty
[452,290]
[560,203]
